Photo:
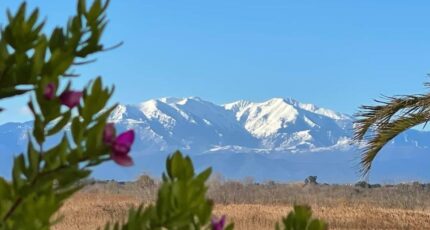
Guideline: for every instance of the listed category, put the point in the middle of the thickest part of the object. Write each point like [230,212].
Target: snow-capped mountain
[282,124]
[190,124]
[200,126]
[275,139]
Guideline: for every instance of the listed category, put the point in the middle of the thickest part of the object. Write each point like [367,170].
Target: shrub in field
[312,180]
[35,64]
[362,184]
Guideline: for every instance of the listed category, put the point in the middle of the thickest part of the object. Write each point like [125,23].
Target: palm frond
[386,133]
[377,125]
[379,115]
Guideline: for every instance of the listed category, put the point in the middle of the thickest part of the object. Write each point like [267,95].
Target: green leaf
[9,92]
[301,219]
[17,171]
[229,227]
[38,129]
[94,11]
[56,156]
[179,167]
[39,58]
[203,176]
[57,40]
[34,160]
[76,130]
[317,225]
[60,124]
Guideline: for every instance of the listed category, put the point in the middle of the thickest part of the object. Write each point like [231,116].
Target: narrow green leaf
[60,124]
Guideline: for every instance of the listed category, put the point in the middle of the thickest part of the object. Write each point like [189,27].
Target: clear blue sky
[336,54]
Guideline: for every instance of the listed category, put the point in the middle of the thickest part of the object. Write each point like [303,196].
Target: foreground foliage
[181,201]
[301,218]
[35,64]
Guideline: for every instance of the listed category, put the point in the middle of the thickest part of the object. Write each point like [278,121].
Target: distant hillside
[279,139]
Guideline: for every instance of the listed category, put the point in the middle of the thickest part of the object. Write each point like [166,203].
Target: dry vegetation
[259,206]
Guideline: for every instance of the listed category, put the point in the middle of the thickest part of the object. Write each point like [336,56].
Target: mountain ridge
[274,124]
[303,137]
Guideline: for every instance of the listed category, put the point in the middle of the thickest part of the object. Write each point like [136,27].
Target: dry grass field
[259,206]
[90,211]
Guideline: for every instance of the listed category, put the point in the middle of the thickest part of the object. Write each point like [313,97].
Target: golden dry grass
[91,210]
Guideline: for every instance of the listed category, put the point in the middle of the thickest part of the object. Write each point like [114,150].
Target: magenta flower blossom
[49,91]
[120,148]
[70,98]
[120,145]
[218,224]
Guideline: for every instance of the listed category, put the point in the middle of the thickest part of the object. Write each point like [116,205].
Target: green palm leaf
[377,125]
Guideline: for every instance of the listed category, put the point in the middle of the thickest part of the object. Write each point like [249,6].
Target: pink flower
[70,98]
[120,146]
[49,91]
[218,224]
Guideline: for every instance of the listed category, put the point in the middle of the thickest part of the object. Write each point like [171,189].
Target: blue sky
[336,54]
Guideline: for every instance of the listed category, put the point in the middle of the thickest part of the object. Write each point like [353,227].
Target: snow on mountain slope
[276,139]
[286,124]
[322,111]
[265,119]
[188,123]
[198,126]
[237,106]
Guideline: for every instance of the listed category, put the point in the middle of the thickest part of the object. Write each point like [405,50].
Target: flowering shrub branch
[35,64]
